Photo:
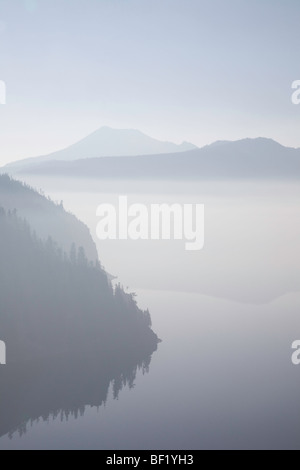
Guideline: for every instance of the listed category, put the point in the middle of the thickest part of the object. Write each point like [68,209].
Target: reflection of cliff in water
[69,333]
[64,386]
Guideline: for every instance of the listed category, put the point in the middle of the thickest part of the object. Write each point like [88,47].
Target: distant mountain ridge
[108,142]
[244,159]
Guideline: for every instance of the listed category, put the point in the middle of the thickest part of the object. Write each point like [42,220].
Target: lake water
[222,376]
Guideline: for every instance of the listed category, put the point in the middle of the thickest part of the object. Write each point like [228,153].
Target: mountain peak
[110,142]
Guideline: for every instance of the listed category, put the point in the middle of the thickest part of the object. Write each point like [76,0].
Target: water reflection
[64,387]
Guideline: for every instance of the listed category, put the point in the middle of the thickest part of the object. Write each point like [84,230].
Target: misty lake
[222,377]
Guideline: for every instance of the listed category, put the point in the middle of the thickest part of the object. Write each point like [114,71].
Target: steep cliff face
[53,304]
[45,217]
[69,334]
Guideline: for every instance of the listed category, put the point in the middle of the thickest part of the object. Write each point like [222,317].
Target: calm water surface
[222,377]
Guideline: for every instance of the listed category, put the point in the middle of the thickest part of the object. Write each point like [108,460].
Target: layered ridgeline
[107,142]
[245,159]
[59,310]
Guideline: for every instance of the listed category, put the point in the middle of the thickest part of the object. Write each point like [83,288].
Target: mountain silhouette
[53,302]
[246,159]
[108,142]
[68,332]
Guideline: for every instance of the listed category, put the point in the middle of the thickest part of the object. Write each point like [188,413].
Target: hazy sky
[196,70]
